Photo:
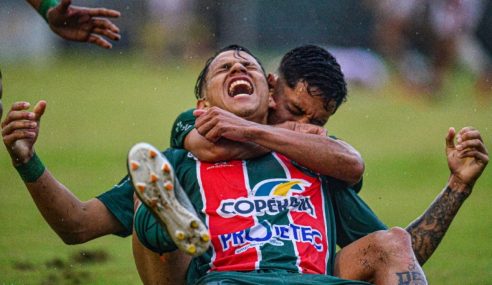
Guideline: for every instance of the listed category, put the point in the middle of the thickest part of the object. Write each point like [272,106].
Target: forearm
[73,220]
[428,230]
[34,3]
[223,150]
[319,153]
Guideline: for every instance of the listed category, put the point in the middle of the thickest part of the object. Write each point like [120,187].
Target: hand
[303,128]
[215,123]
[468,158]
[20,130]
[82,24]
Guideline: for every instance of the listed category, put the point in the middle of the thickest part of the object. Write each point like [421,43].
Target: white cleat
[153,178]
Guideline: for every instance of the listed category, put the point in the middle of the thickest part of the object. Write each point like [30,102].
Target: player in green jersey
[223,101]
[45,180]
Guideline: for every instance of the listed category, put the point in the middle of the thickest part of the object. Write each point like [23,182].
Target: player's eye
[226,66]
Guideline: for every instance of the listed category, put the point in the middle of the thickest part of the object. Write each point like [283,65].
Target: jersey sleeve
[354,219]
[119,201]
[182,126]
[358,186]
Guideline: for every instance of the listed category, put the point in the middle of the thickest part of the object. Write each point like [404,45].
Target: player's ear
[272,80]
[202,103]
[271,102]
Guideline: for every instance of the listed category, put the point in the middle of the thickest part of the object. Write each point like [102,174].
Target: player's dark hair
[319,69]
[203,74]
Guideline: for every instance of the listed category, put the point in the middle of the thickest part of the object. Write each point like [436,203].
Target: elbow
[212,155]
[73,238]
[357,170]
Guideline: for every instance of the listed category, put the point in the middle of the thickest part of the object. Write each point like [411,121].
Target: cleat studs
[141,187]
[191,249]
[153,202]
[180,235]
[169,186]
[166,168]
[134,165]
[152,153]
[205,237]
[194,224]
[153,178]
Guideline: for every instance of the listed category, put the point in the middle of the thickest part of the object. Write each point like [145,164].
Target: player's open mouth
[240,87]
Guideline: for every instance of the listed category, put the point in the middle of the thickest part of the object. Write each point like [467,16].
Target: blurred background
[415,68]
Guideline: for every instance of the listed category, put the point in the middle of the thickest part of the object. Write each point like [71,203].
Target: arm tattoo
[428,230]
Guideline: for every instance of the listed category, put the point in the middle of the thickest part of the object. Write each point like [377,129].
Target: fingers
[103,12]
[450,139]
[107,33]
[198,112]
[19,134]
[39,109]
[103,27]
[19,123]
[98,40]
[17,113]
[105,24]
[477,155]
[64,6]
[468,133]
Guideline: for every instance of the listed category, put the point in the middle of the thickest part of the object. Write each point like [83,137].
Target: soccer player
[79,24]
[13,131]
[220,260]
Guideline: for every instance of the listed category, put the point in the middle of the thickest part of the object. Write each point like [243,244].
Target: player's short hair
[203,74]
[318,69]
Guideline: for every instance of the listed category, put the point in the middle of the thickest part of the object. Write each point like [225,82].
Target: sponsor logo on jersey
[272,196]
[264,232]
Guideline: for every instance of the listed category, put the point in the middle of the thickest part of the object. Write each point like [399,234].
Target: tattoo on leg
[410,278]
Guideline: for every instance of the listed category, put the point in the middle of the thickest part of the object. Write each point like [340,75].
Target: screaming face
[236,83]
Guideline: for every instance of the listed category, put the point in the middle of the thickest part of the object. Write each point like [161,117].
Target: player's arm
[322,154]
[79,24]
[73,220]
[466,160]
[221,150]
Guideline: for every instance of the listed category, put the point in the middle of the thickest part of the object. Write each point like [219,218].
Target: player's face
[296,104]
[236,83]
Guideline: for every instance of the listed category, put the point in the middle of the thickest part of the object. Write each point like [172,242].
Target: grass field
[98,108]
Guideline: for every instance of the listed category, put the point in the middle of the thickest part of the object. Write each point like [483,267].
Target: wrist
[458,185]
[31,170]
[45,6]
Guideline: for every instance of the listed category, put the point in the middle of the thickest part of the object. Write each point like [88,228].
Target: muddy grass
[61,270]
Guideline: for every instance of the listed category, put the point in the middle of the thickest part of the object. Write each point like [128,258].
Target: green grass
[98,108]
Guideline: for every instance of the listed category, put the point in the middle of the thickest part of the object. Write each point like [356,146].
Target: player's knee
[400,237]
[391,244]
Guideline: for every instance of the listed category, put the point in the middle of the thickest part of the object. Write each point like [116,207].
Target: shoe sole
[153,178]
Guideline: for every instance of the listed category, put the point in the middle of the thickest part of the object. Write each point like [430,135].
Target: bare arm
[466,161]
[73,220]
[221,150]
[319,153]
